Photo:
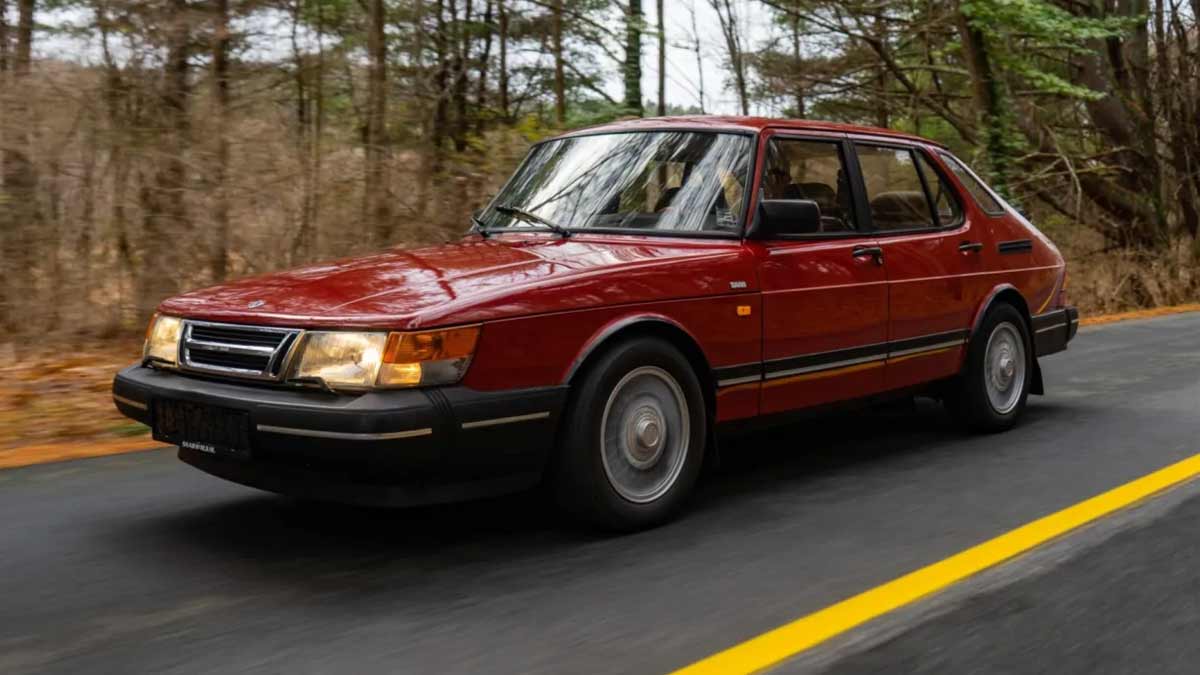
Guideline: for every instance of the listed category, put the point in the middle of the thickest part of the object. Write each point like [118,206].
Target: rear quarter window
[980,192]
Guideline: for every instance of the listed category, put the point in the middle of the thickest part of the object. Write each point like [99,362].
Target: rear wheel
[999,369]
[633,437]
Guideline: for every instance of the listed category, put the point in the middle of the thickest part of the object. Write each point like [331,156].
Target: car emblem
[737,284]
[255,304]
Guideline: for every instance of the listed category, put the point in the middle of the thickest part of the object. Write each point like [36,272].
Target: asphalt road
[138,563]
[1127,604]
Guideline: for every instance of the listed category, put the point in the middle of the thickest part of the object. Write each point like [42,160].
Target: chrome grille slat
[248,350]
[237,350]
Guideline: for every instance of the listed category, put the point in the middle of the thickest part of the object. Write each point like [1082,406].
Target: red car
[632,292]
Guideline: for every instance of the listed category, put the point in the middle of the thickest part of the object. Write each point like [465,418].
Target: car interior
[803,169]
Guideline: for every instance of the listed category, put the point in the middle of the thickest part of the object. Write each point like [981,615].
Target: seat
[664,200]
[901,210]
[822,194]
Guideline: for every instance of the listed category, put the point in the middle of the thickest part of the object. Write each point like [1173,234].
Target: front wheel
[995,383]
[633,438]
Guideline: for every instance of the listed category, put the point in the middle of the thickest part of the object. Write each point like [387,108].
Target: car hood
[476,280]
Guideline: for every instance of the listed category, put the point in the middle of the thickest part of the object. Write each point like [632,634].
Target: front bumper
[399,447]
[1053,330]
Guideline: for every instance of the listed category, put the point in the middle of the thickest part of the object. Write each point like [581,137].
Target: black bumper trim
[386,443]
[1053,330]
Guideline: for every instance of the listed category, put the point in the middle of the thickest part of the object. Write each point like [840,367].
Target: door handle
[974,246]
[864,251]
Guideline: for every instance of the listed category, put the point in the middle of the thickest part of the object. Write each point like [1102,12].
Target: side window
[894,188]
[940,192]
[982,195]
[816,170]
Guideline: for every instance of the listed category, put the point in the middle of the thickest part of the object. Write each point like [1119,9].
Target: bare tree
[220,74]
[375,198]
[731,31]
[696,47]
[164,212]
[503,75]
[560,90]
[18,174]
[662,62]
[633,57]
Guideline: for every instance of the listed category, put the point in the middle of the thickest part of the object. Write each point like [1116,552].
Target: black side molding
[1016,246]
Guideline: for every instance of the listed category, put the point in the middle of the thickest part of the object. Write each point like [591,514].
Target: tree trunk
[20,216]
[485,59]
[882,110]
[3,38]
[503,85]
[662,62]
[560,87]
[458,90]
[1168,89]
[165,223]
[375,186]
[798,57]
[220,70]
[989,105]
[302,240]
[1145,116]
[633,58]
[731,31]
[696,48]
[1133,195]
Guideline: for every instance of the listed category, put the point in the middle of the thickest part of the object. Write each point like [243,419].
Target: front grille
[255,352]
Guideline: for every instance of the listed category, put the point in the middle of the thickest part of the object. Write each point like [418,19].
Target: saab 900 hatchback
[633,291]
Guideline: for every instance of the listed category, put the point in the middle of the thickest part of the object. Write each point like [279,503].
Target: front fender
[615,326]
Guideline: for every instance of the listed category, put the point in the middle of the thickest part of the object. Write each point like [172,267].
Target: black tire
[971,403]
[579,477]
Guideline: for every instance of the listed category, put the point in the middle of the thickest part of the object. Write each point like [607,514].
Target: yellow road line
[776,645]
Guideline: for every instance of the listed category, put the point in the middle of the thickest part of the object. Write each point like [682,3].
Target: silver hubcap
[644,434]
[1004,368]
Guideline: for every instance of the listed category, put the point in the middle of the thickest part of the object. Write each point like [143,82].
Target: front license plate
[215,431]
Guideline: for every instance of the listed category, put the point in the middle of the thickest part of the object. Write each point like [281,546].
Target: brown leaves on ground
[65,393]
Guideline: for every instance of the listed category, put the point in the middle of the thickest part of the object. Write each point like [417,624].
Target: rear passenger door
[824,292]
[934,261]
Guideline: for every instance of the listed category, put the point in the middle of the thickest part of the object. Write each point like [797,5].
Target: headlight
[341,360]
[346,360]
[162,339]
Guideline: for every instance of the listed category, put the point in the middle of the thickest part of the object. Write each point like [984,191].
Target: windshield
[677,181]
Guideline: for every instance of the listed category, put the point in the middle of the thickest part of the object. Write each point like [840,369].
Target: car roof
[743,124]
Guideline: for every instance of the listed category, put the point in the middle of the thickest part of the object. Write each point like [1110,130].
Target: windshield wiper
[533,218]
[479,226]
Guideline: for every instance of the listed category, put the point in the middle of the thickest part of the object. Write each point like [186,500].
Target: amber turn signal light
[438,345]
[428,357]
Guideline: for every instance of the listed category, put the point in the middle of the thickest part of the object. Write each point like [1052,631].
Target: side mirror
[783,217]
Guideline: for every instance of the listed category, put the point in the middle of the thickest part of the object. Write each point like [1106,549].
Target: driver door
[824,293]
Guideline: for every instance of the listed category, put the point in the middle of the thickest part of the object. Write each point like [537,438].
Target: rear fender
[1009,293]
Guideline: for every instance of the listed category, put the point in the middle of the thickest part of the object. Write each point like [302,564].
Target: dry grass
[1108,282]
[57,394]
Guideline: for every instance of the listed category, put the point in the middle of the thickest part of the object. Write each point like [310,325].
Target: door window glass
[946,206]
[894,189]
[814,170]
[978,190]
